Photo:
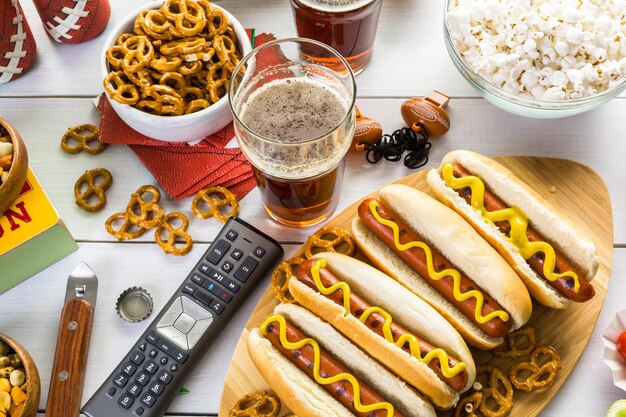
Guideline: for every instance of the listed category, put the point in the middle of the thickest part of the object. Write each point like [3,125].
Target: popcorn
[546,49]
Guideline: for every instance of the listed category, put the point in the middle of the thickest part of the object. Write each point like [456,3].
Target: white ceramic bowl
[185,128]
[612,358]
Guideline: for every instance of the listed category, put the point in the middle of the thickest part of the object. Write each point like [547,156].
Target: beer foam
[292,112]
[335,6]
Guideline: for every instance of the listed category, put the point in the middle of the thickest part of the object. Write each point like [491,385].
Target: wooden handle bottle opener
[70,358]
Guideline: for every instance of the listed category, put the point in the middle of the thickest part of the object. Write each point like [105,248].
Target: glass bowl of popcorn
[543,59]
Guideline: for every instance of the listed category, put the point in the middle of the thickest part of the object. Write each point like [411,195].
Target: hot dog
[433,252]
[317,372]
[389,322]
[553,257]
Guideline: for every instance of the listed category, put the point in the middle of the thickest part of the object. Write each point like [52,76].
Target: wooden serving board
[581,194]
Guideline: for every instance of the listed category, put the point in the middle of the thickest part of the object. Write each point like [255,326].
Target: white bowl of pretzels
[166,68]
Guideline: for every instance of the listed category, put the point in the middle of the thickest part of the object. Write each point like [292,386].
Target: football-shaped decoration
[17,45]
[73,21]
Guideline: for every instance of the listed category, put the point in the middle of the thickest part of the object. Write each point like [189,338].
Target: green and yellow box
[32,235]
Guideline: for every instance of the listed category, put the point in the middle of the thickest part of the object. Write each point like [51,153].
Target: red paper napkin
[182,169]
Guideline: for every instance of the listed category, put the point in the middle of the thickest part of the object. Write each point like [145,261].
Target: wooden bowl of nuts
[19,380]
[13,165]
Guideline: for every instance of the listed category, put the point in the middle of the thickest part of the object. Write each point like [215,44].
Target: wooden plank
[476,125]
[30,314]
[404,62]
[567,331]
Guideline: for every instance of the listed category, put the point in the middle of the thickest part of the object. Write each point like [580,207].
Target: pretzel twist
[536,374]
[225,199]
[499,392]
[127,229]
[258,404]
[468,406]
[518,343]
[169,245]
[329,240]
[146,214]
[281,276]
[82,136]
[83,197]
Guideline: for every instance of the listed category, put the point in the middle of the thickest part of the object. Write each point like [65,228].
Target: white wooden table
[409,60]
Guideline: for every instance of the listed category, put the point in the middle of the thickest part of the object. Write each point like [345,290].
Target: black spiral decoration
[392,147]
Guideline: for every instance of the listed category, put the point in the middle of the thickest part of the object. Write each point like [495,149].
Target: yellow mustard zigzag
[436,276]
[516,218]
[317,363]
[413,342]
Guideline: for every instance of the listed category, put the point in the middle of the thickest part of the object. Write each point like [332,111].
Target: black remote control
[148,378]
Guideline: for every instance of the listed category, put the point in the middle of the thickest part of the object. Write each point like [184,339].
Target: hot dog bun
[405,308]
[302,395]
[544,217]
[457,241]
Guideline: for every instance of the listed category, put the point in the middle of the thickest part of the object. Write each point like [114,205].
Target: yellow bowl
[11,188]
[31,404]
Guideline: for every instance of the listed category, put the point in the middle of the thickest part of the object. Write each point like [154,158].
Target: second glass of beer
[348,26]
[294,120]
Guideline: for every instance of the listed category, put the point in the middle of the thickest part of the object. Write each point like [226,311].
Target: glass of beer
[294,120]
[349,26]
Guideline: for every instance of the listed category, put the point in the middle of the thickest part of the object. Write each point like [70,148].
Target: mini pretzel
[120,88]
[138,53]
[498,391]
[82,136]
[127,229]
[526,334]
[468,406]
[92,189]
[215,204]
[169,245]
[533,376]
[281,276]
[258,404]
[160,100]
[188,16]
[329,240]
[146,214]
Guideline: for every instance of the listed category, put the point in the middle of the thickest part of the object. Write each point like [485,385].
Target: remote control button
[232,286]
[189,289]
[152,337]
[111,392]
[246,269]
[184,323]
[231,235]
[126,401]
[148,399]
[174,368]
[198,331]
[139,411]
[129,369]
[227,266]
[217,307]
[120,380]
[157,388]
[197,279]
[181,357]
[194,310]
[171,315]
[143,378]
[203,297]
[259,252]
[205,269]
[216,276]
[163,360]
[134,389]
[142,347]
[151,367]
[218,292]
[218,250]
[164,377]
[153,353]
[137,357]
[174,335]
[236,254]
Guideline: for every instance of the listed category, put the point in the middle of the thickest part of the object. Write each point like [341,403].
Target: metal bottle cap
[134,304]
